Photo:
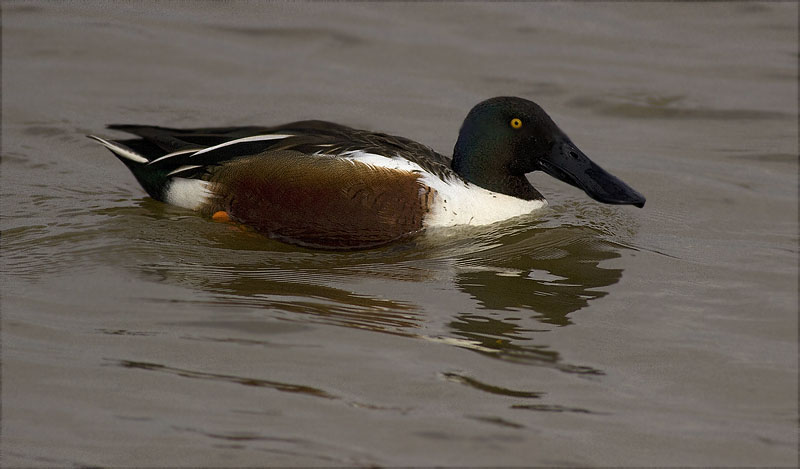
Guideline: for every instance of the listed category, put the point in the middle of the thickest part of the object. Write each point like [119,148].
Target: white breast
[457,202]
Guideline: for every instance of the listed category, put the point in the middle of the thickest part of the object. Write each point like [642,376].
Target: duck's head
[504,138]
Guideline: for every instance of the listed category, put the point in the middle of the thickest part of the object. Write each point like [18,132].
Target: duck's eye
[516,123]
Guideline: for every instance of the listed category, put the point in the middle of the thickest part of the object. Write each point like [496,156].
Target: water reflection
[503,339]
[552,271]
[312,302]
[489,388]
[517,279]
[257,382]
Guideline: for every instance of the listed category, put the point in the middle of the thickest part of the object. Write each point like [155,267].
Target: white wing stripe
[182,169]
[254,138]
[175,153]
[120,150]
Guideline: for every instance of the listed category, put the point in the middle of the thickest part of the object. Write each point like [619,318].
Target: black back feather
[309,137]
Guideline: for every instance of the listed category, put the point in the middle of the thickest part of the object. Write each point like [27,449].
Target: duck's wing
[193,151]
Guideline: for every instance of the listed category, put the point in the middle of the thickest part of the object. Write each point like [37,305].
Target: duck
[324,185]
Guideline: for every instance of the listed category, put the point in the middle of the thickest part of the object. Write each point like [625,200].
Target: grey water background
[134,333]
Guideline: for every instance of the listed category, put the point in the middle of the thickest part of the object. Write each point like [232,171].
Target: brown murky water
[139,334]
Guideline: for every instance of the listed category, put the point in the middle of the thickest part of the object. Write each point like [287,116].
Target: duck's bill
[567,163]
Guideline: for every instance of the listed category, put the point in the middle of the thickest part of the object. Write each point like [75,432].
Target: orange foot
[221,216]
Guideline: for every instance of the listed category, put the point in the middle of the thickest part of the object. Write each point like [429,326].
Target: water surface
[134,333]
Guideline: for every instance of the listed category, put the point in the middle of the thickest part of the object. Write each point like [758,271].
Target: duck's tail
[154,180]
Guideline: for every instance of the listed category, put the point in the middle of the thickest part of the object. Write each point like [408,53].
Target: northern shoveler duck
[326,185]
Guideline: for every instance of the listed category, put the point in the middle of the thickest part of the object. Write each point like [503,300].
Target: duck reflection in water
[520,275]
[554,273]
[545,275]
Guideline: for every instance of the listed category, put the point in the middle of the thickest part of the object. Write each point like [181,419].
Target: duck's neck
[486,173]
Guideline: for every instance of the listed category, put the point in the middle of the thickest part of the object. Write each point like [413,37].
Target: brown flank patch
[320,201]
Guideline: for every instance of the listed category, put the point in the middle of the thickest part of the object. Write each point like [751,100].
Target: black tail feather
[153,180]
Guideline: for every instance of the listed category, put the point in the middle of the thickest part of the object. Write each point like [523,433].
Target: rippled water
[134,333]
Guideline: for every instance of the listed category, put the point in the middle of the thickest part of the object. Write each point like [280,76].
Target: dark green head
[504,138]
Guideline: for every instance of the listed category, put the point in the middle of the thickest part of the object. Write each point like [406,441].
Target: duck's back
[169,148]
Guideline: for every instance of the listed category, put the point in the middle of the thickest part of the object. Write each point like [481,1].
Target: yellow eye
[516,123]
